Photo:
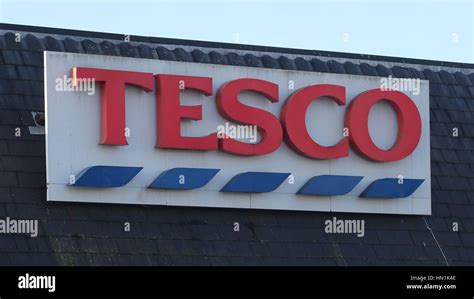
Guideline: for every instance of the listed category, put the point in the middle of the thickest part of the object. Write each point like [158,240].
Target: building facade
[97,233]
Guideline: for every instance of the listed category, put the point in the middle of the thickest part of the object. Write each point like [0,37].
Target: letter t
[112,98]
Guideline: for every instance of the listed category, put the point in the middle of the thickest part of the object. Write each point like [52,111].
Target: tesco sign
[151,133]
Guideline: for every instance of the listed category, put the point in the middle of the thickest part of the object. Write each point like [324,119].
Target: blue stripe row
[100,176]
[330,185]
[255,182]
[181,178]
[184,178]
[391,188]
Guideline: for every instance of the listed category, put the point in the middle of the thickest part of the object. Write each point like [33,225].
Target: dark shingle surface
[92,234]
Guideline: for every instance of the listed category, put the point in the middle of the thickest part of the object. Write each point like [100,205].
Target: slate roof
[92,234]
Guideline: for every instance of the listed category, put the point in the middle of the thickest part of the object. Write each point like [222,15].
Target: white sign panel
[285,179]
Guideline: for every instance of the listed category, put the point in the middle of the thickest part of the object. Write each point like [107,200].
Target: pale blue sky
[438,30]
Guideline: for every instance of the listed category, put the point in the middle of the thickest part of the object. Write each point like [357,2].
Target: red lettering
[112,98]
[267,124]
[169,112]
[293,117]
[409,125]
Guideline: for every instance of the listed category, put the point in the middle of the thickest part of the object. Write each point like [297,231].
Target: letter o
[409,125]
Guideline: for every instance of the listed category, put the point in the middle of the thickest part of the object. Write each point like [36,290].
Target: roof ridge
[245,47]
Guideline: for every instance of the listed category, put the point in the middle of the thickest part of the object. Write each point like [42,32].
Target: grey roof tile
[336,67]
[459,197]
[34,44]
[286,63]
[34,103]
[468,129]
[52,44]
[8,179]
[461,91]
[147,52]
[441,90]
[448,238]
[357,251]
[434,183]
[12,57]
[31,180]
[32,58]
[22,87]
[29,73]
[217,58]
[108,48]
[401,72]
[128,51]
[26,148]
[253,60]
[352,68]
[235,59]
[466,156]
[383,71]
[468,224]
[460,116]
[435,169]
[368,70]
[270,62]
[453,183]
[438,129]
[102,259]
[461,211]
[107,245]
[436,102]
[465,254]
[460,104]
[447,78]
[433,252]
[200,56]
[90,47]
[9,117]
[320,66]
[432,76]
[450,156]
[165,54]
[417,74]
[440,115]
[464,170]
[3,44]
[447,169]
[72,46]
[182,55]
[462,79]
[303,64]
[15,41]
[37,88]
[8,72]
[89,245]
[400,252]
[3,147]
